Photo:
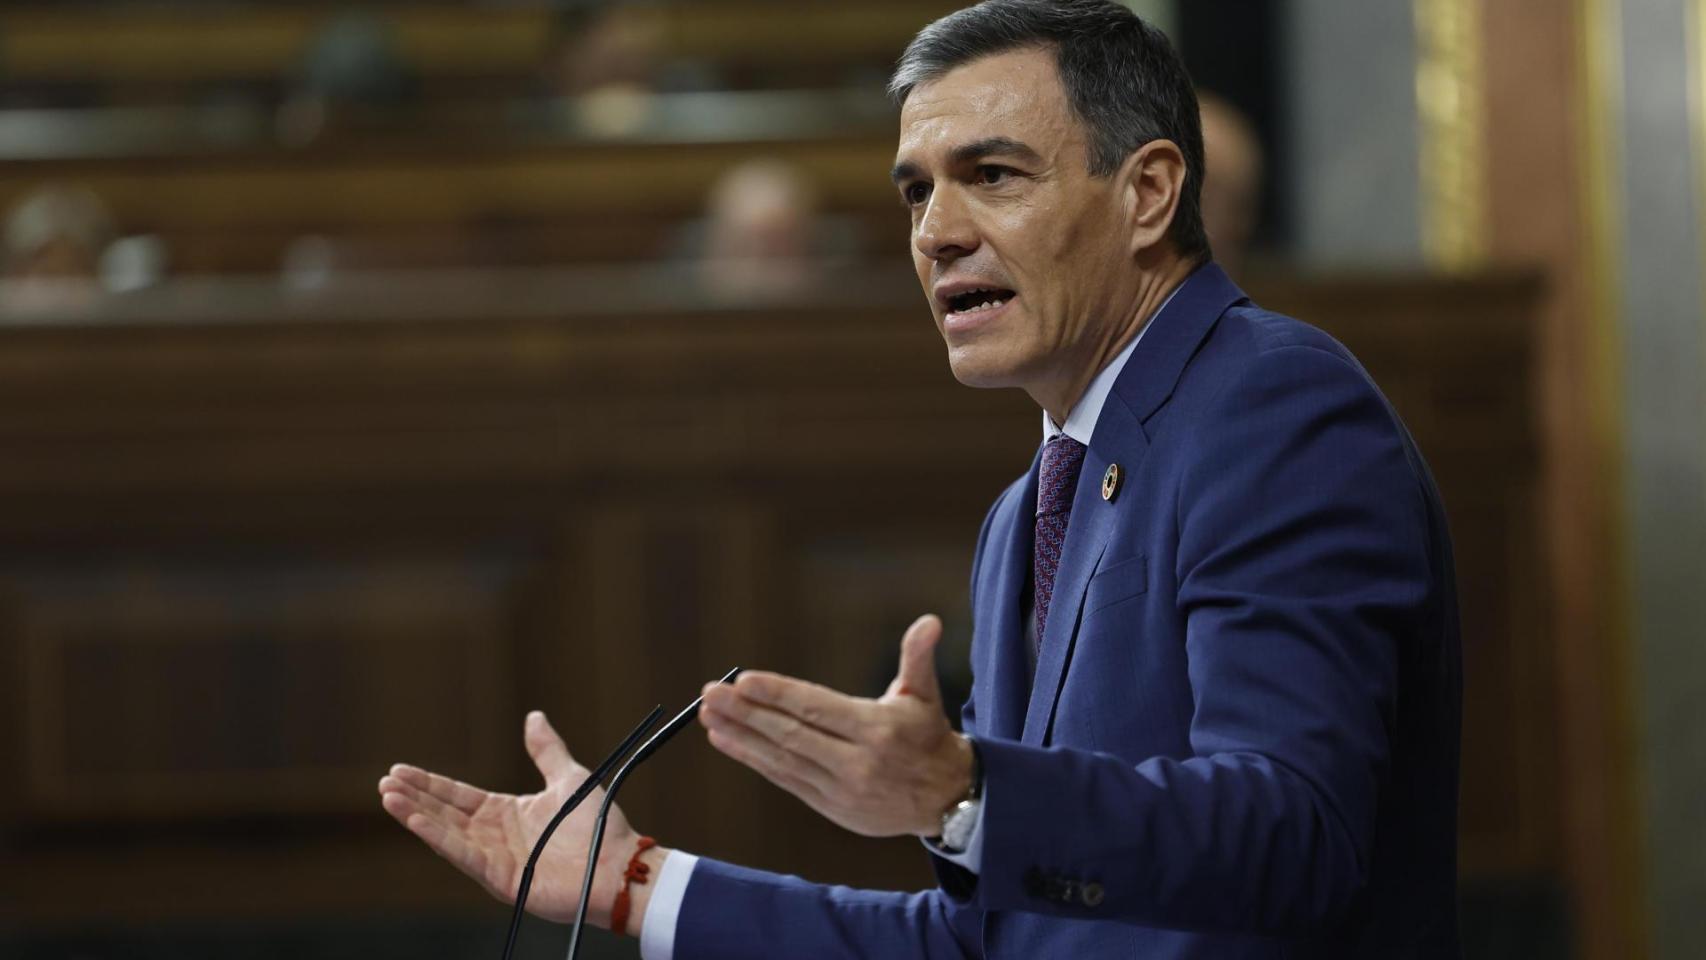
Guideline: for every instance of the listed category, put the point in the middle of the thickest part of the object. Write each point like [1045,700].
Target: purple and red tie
[1063,458]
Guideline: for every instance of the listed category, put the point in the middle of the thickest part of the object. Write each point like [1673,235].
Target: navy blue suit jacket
[1242,736]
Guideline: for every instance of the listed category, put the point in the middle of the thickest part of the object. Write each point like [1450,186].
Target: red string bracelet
[637,872]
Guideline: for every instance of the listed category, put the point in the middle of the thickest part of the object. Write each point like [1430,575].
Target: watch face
[957,826]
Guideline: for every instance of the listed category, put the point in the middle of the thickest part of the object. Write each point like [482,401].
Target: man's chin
[975,368]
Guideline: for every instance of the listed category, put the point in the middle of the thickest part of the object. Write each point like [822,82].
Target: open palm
[489,835]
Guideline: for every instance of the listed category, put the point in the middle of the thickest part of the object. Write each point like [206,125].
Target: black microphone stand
[581,792]
[658,739]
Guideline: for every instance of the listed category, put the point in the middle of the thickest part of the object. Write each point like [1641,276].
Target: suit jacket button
[1035,885]
[1091,894]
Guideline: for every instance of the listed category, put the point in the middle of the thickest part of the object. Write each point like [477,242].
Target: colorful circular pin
[1111,482]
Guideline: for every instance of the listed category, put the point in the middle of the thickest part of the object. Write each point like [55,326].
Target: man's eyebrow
[975,150]
[993,147]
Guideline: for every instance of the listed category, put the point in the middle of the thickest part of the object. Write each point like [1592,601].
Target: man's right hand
[489,835]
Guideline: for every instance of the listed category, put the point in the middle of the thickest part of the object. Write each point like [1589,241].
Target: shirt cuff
[971,858]
[657,930]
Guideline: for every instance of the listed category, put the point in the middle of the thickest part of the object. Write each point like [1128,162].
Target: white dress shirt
[657,931]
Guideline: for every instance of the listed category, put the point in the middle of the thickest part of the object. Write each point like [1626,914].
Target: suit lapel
[1086,539]
[1143,387]
[1011,534]
[1179,329]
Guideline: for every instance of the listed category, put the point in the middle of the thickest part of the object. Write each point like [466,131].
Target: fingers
[809,753]
[454,793]
[448,843]
[546,748]
[917,675]
[766,759]
[397,804]
[419,801]
[831,712]
[441,827]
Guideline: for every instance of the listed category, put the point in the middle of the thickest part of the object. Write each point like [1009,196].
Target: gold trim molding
[1697,122]
[1451,107]
[1601,69]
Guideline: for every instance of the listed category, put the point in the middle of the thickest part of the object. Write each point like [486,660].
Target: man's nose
[945,231]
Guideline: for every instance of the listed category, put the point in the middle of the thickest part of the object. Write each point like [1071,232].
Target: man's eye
[916,193]
[991,174]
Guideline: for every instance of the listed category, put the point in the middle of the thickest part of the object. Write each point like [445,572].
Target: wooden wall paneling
[742,621]
[707,602]
[12,713]
[219,730]
[239,685]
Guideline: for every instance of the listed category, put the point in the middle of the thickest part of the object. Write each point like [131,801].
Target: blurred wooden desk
[450,45]
[443,187]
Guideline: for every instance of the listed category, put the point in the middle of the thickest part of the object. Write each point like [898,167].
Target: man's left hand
[880,768]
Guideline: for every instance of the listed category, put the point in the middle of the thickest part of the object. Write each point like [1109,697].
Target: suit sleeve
[732,913]
[956,880]
[1302,568]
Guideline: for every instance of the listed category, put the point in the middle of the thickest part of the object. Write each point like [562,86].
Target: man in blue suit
[1217,681]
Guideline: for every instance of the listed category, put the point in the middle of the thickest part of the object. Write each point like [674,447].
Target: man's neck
[1155,291]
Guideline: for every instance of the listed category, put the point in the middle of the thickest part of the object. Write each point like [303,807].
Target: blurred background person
[603,64]
[1232,181]
[763,236]
[55,238]
[602,46]
[351,72]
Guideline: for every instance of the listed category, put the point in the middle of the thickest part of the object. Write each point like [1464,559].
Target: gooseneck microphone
[651,746]
[592,781]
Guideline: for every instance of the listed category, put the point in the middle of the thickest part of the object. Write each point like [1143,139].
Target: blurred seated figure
[762,236]
[600,69]
[54,241]
[598,46]
[1232,181]
[603,63]
[353,67]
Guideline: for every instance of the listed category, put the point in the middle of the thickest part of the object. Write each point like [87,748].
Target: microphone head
[682,719]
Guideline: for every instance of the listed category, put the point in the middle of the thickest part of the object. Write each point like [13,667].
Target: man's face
[993,166]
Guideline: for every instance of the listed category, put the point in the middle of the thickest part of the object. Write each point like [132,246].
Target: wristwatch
[961,818]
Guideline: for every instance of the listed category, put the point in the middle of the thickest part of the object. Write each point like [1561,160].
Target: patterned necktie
[1063,457]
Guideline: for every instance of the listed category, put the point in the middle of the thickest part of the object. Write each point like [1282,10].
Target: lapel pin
[1111,482]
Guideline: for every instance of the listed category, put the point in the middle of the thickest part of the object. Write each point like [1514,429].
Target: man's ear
[1152,181]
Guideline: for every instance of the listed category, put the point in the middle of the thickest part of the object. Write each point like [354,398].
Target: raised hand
[489,835]
[881,767]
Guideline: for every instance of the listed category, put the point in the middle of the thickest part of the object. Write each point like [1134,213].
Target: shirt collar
[1081,420]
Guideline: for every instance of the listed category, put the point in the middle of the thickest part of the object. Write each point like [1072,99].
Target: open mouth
[972,301]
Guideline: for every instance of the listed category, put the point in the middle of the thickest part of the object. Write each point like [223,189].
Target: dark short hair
[1122,76]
